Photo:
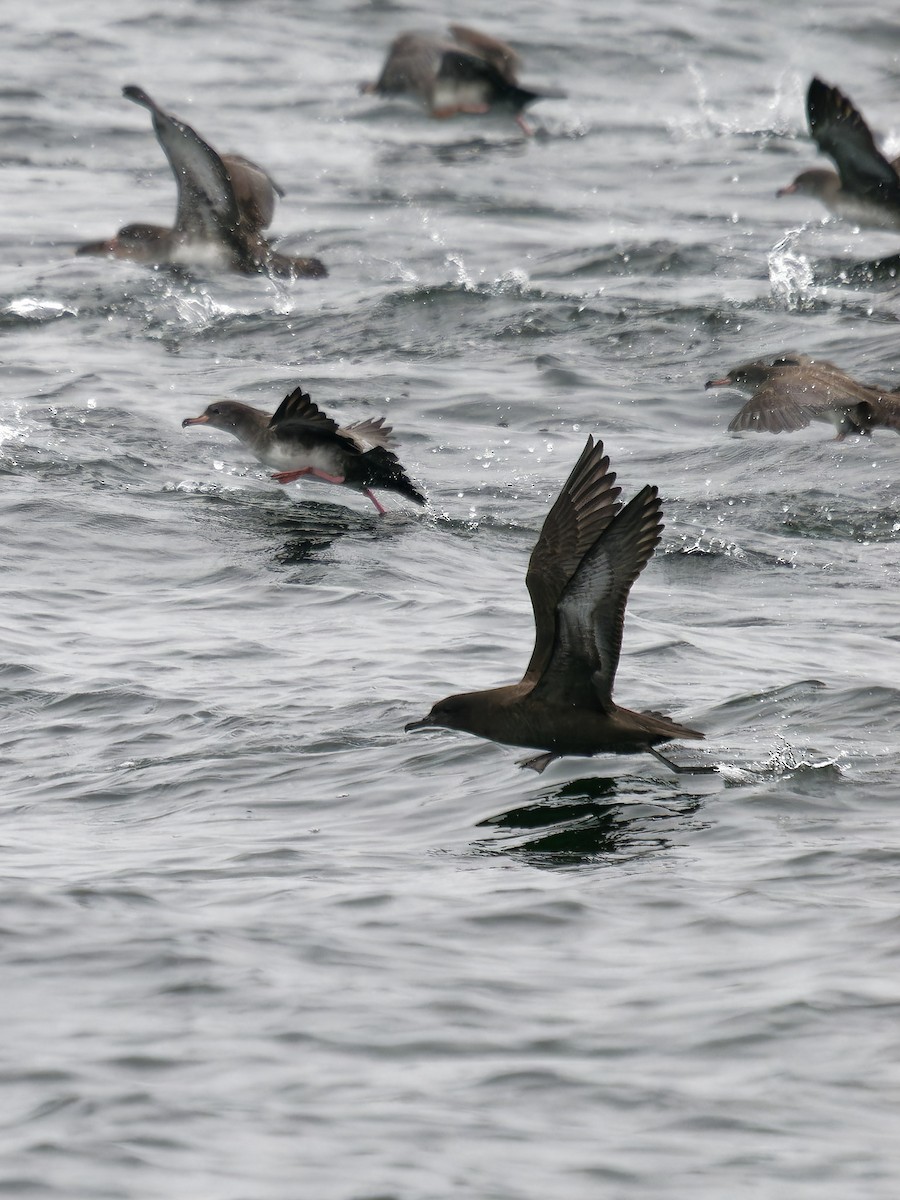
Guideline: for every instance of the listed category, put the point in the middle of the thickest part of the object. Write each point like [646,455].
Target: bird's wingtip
[132,92]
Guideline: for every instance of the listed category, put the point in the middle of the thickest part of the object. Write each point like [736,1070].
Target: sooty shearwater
[224,204]
[299,440]
[589,553]
[790,390]
[467,72]
[866,188]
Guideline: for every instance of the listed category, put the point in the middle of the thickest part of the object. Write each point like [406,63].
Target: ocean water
[259,944]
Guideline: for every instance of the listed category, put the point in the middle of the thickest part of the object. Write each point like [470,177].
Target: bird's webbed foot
[539,763]
[678,768]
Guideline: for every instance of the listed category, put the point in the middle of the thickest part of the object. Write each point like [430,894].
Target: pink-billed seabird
[224,204]
[866,187]
[465,72]
[300,440]
[790,390]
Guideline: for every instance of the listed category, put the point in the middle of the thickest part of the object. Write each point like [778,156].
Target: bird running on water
[300,440]
[467,72]
[589,553]
[866,187]
[224,203]
[790,390]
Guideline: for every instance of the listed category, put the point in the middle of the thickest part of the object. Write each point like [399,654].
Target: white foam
[39,310]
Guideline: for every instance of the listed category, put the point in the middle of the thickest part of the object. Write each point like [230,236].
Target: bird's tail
[668,729]
[518,97]
[384,470]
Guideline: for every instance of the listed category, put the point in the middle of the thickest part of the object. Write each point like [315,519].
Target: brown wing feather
[591,613]
[207,207]
[412,64]
[792,398]
[297,406]
[373,432]
[254,190]
[773,408]
[838,129]
[584,508]
[502,57]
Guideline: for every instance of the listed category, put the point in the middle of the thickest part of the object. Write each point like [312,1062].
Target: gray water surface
[259,944]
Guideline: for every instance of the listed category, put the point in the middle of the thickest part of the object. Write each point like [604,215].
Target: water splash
[791,274]
[197,309]
[463,278]
[784,759]
[764,120]
[513,283]
[31,309]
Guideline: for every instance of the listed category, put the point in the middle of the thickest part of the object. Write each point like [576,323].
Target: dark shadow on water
[311,531]
[586,821]
[478,148]
[293,532]
[473,149]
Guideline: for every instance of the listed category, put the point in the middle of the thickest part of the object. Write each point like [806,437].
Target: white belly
[284,456]
[452,94]
[208,255]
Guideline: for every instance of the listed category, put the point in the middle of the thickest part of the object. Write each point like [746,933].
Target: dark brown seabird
[589,553]
[866,188]
[300,440]
[224,203]
[790,390]
[467,72]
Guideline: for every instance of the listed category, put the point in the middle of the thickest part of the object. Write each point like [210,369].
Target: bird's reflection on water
[463,150]
[586,820]
[299,532]
[312,530]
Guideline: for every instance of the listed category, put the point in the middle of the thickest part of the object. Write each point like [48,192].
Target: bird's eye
[215,410]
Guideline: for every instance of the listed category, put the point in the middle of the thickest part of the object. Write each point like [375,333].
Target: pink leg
[452,110]
[524,126]
[381,509]
[317,474]
[290,476]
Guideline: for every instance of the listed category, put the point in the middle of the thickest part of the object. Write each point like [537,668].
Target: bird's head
[229,415]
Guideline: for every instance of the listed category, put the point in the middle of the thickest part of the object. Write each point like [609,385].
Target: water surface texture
[259,944]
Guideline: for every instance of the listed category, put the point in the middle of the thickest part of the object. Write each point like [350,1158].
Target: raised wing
[207,208]
[412,64]
[298,417]
[373,432]
[462,67]
[254,190]
[839,130]
[584,508]
[591,613]
[297,406]
[501,57]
